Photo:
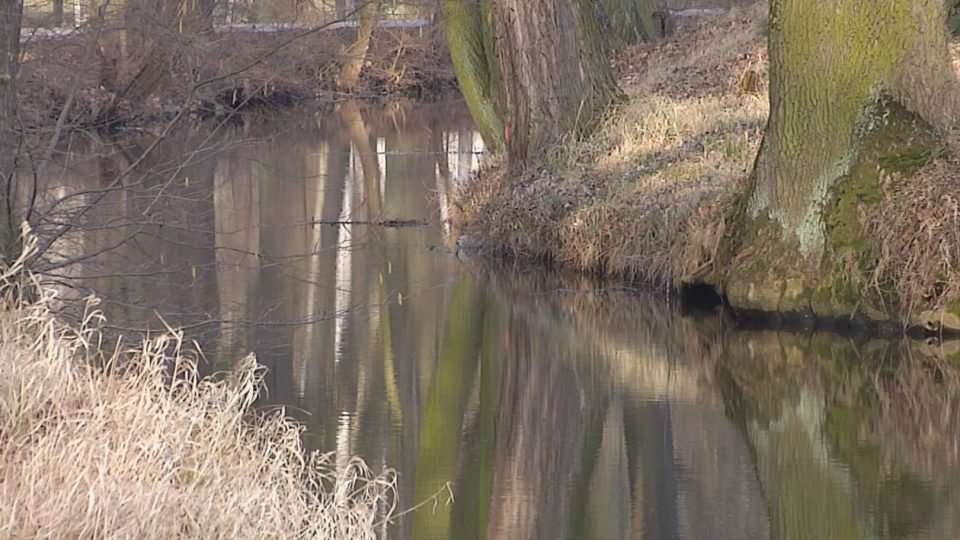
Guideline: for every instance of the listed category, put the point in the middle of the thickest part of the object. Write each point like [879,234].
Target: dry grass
[133,444]
[248,68]
[661,171]
[644,198]
[918,229]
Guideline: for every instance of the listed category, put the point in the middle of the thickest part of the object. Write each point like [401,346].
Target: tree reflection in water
[550,408]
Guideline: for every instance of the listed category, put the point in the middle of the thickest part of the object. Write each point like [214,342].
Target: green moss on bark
[896,144]
[470,40]
[768,276]
[839,139]
[825,66]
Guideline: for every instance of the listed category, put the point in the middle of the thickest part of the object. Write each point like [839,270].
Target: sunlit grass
[102,440]
[643,197]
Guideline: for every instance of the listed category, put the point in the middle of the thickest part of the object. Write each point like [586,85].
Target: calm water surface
[536,406]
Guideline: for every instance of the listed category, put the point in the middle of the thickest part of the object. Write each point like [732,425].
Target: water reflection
[851,439]
[519,404]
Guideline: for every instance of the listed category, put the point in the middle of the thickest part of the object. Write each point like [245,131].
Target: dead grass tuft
[644,196]
[917,228]
[133,443]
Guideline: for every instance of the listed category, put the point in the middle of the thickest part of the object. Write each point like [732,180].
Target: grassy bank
[646,197]
[643,197]
[98,440]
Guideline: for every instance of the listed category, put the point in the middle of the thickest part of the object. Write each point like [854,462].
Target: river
[513,402]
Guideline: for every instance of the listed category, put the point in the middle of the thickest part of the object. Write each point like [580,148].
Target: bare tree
[356,54]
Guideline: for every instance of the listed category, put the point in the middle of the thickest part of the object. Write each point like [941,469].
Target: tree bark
[356,54]
[533,72]
[469,29]
[10,15]
[852,89]
[556,79]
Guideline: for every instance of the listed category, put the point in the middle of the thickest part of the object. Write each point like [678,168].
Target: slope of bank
[643,197]
[647,197]
[97,440]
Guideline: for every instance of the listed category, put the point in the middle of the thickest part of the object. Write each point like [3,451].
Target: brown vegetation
[918,227]
[224,71]
[124,442]
[647,196]
[643,197]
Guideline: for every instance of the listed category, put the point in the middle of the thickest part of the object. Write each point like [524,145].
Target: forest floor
[645,198]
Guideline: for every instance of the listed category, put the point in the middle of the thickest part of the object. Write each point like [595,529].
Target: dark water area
[518,403]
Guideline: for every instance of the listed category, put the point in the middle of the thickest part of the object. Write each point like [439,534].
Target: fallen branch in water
[394,223]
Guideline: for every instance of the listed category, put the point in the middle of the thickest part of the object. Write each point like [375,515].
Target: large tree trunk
[533,71]
[556,78]
[469,29]
[10,13]
[855,90]
[356,54]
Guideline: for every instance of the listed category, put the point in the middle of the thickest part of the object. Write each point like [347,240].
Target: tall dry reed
[109,441]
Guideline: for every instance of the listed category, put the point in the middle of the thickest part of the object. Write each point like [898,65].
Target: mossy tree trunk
[10,15]
[469,29]
[356,54]
[533,71]
[852,88]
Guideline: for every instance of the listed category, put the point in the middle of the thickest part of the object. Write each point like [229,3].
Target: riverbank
[646,198]
[99,439]
[210,74]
